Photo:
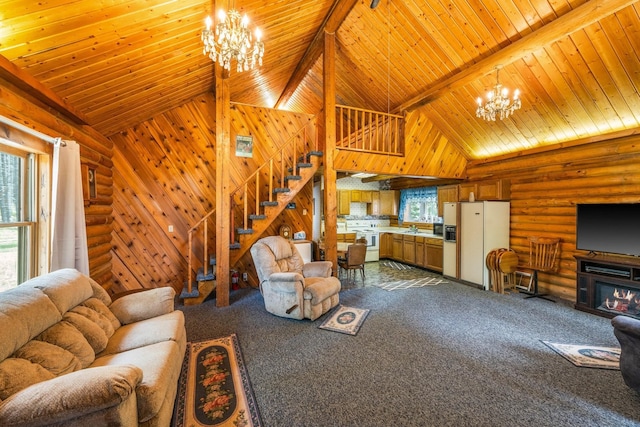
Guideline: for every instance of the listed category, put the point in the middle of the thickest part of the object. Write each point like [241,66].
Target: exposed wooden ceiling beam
[332,22]
[26,82]
[579,18]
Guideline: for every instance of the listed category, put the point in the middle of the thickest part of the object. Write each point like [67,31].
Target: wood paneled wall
[95,151]
[164,175]
[546,186]
[427,153]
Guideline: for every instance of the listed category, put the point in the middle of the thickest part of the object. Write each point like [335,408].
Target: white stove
[373,242]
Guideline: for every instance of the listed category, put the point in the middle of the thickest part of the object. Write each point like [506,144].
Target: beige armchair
[290,287]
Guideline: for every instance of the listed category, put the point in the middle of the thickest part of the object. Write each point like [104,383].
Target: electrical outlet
[171,229]
[304,211]
[245,277]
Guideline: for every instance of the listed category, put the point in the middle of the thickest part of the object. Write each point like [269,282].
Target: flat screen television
[608,227]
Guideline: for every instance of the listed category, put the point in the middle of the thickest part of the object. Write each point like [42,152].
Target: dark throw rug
[214,387]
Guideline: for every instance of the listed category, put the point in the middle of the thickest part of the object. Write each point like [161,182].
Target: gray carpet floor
[444,355]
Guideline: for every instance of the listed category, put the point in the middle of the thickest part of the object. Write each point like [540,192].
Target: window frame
[35,192]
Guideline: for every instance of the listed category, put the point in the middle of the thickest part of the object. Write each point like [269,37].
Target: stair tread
[255,217]
[244,230]
[272,203]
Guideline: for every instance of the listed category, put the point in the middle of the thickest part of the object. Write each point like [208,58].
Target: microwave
[438,228]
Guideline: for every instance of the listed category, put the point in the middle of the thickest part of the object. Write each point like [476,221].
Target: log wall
[546,186]
[164,175]
[95,152]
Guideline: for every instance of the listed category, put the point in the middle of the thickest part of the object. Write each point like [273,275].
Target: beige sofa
[70,356]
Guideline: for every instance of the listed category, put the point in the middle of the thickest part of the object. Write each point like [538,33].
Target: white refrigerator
[449,244]
[484,226]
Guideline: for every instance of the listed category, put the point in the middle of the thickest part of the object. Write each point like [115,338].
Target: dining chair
[543,253]
[354,260]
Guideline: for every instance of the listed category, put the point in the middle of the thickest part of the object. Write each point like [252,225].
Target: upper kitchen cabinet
[499,189]
[373,208]
[389,200]
[446,194]
[344,202]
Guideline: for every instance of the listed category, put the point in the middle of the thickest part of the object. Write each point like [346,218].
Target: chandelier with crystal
[498,102]
[231,40]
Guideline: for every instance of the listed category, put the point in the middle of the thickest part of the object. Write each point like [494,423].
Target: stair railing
[205,260]
[283,159]
[358,129]
[278,157]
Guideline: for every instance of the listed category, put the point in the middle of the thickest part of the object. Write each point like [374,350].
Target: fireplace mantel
[608,285]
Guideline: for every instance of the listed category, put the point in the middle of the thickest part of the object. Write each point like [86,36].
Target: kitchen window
[418,205]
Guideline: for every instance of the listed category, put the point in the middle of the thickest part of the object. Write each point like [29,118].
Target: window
[20,231]
[419,205]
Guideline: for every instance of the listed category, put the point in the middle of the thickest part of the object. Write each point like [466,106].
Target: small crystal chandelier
[232,40]
[498,102]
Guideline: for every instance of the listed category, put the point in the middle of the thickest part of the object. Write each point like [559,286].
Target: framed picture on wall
[244,146]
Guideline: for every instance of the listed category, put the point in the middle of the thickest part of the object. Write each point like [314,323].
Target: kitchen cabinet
[465,190]
[346,237]
[433,254]
[386,245]
[446,194]
[366,196]
[389,202]
[344,202]
[397,247]
[356,196]
[409,249]
[373,208]
[420,251]
[499,189]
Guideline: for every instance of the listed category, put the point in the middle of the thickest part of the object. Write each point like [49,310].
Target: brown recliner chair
[290,287]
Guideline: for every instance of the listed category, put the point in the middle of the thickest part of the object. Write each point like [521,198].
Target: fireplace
[616,299]
[608,286]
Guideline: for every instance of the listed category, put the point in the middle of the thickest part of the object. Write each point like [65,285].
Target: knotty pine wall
[546,186]
[427,153]
[95,152]
[164,174]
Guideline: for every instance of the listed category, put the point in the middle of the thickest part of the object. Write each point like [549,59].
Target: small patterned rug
[588,356]
[396,265]
[346,320]
[214,387]
[412,283]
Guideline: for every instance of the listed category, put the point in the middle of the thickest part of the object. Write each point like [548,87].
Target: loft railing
[358,129]
[261,186]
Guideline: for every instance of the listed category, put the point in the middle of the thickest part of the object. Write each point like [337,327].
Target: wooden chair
[543,252]
[354,260]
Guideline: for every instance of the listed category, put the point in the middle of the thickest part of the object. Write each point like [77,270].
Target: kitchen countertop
[396,230]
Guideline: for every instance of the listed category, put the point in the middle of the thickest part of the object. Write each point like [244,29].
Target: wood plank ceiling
[121,62]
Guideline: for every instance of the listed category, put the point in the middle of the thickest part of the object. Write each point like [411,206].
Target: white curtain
[69,233]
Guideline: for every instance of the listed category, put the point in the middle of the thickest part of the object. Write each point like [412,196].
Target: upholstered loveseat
[69,355]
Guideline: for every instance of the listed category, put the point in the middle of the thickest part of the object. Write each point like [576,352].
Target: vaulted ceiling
[576,62]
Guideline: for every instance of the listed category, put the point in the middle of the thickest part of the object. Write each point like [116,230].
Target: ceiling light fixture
[231,40]
[498,102]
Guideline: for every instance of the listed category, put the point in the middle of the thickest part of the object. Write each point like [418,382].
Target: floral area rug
[588,356]
[214,388]
[346,320]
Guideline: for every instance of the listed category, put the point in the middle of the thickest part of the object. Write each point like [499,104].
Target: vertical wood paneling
[164,175]
[545,188]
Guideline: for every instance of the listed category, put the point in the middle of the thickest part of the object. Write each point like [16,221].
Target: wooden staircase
[255,204]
